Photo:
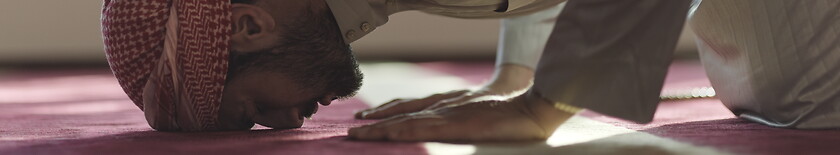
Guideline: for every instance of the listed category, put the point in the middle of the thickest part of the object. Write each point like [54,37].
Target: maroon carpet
[83,111]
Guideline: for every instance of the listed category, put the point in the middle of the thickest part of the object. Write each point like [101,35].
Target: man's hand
[401,106]
[508,80]
[522,118]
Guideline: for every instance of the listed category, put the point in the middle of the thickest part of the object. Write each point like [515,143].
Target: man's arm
[611,56]
[522,39]
[605,55]
[521,43]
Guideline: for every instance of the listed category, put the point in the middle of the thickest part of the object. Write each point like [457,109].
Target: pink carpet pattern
[84,111]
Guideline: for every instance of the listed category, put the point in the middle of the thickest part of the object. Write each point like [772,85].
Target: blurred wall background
[68,32]
[50,31]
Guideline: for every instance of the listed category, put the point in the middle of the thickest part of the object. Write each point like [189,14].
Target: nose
[327,100]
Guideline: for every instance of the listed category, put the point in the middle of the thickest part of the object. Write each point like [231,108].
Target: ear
[254,29]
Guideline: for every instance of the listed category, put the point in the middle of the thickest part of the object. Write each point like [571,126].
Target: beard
[319,71]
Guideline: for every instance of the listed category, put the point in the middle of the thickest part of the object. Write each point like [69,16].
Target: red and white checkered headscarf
[171,55]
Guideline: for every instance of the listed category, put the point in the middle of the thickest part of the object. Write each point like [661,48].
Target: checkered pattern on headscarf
[134,32]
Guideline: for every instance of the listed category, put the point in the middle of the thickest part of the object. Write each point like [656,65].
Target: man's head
[286,57]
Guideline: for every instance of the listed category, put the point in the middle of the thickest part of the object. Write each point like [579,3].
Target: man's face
[270,99]
[279,91]
[276,78]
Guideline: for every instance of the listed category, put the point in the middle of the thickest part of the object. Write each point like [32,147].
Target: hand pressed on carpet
[509,80]
[519,119]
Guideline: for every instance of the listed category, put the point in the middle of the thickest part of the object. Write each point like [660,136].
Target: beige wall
[68,31]
[50,30]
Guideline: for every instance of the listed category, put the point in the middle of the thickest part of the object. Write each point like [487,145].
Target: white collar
[357,18]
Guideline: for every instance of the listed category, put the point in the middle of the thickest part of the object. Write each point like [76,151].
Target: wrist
[548,114]
[510,78]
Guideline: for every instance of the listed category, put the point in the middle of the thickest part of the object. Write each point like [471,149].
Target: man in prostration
[273,69]
[271,61]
